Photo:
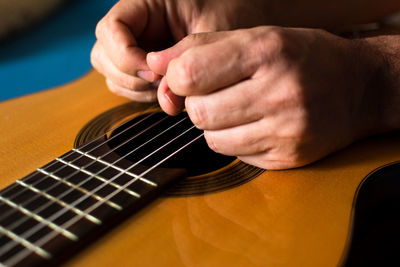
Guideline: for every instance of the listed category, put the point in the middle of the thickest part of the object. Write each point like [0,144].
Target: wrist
[381,86]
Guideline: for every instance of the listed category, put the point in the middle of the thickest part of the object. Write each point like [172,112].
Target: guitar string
[92,192]
[89,178]
[12,211]
[55,216]
[85,145]
[5,190]
[25,252]
[76,171]
[80,156]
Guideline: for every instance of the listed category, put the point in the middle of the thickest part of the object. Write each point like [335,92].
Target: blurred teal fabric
[54,52]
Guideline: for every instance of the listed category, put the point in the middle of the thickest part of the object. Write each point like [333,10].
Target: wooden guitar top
[297,217]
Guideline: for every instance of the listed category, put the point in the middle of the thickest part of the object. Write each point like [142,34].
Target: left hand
[275,97]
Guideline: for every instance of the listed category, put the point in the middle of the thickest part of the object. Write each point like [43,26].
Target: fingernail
[170,96]
[146,75]
[176,101]
[151,55]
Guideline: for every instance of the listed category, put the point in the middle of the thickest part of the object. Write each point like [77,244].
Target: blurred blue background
[53,52]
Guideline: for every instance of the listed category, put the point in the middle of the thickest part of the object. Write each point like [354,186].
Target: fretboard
[54,211]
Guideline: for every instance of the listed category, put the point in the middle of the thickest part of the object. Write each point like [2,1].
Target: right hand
[132,28]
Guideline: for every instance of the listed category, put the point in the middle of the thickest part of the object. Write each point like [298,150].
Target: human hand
[275,97]
[134,27]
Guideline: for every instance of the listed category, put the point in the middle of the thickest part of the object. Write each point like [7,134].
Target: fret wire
[91,218]
[132,151]
[62,211]
[5,190]
[57,214]
[153,167]
[61,203]
[73,220]
[38,227]
[70,190]
[147,171]
[25,243]
[77,187]
[92,141]
[93,148]
[132,181]
[106,163]
[40,219]
[70,222]
[95,175]
[110,165]
[69,153]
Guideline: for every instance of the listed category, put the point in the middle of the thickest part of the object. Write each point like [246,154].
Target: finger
[207,68]
[229,107]
[169,102]
[158,61]
[102,63]
[140,96]
[117,32]
[247,139]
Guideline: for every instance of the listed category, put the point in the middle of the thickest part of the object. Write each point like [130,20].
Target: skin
[276,97]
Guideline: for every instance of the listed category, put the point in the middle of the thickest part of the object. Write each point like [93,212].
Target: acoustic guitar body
[230,215]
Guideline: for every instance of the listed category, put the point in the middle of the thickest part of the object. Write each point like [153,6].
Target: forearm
[329,14]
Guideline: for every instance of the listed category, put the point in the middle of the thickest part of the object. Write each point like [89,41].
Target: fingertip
[156,63]
[152,58]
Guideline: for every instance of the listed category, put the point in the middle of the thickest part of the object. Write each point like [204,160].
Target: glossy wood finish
[282,218]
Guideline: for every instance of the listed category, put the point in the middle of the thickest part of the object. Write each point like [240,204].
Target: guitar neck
[68,202]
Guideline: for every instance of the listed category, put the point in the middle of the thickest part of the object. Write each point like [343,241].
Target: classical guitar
[120,183]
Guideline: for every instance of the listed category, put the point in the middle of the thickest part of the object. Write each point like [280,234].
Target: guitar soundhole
[196,158]
[207,171]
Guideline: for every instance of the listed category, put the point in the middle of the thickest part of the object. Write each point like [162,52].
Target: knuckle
[271,44]
[276,35]
[184,75]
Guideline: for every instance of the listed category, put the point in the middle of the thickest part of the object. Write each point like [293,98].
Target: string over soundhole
[146,132]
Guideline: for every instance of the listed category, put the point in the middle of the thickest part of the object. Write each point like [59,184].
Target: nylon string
[95,190]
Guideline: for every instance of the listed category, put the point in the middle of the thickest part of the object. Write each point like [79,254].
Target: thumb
[158,61]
